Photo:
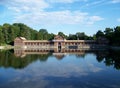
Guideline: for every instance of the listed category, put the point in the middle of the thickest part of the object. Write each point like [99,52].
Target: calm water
[86,69]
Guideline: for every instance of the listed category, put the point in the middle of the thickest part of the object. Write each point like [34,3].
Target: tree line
[9,32]
[111,34]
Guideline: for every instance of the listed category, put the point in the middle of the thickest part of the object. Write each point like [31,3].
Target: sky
[67,16]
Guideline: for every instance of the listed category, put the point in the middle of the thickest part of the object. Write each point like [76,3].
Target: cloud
[66,1]
[33,13]
[115,1]
[94,19]
[93,68]
[94,3]
[27,5]
[61,1]
[118,19]
[58,17]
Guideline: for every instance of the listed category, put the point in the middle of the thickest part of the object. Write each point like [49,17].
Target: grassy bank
[6,47]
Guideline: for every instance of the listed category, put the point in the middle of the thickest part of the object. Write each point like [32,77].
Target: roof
[23,38]
[20,38]
[58,37]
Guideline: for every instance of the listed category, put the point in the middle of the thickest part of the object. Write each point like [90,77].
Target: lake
[82,69]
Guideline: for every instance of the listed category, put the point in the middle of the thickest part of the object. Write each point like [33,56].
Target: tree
[72,37]
[51,36]
[5,30]
[43,33]
[94,37]
[11,35]
[99,34]
[24,31]
[1,36]
[34,35]
[109,34]
[62,34]
[16,29]
[117,35]
[108,31]
[81,36]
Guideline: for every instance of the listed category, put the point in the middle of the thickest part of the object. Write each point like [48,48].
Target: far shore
[12,47]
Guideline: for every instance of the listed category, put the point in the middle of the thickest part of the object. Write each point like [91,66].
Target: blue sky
[68,16]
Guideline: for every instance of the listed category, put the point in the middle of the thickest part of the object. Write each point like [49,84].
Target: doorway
[59,46]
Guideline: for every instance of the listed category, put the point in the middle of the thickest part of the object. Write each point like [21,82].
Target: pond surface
[85,69]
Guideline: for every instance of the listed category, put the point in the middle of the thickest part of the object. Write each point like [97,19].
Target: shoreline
[12,47]
[1,47]
[6,47]
[115,47]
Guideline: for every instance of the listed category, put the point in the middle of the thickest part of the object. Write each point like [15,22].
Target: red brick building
[58,43]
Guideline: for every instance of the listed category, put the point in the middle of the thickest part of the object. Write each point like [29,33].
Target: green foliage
[109,34]
[116,36]
[5,30]
[72,37]
[113,35]
[62,34]
[43,34]
[9,32]
[99,34]
[1,36]
[79,36]
[51,36]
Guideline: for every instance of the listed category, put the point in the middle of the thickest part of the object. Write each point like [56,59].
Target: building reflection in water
[59,54]
[110,57]
[21,58]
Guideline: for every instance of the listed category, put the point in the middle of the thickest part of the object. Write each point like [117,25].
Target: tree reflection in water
[110,58]
[9,59]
